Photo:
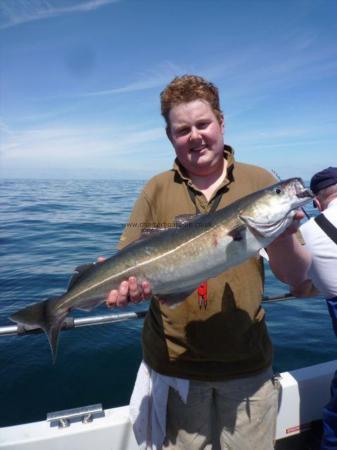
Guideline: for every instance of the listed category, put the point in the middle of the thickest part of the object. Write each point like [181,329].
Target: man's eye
[182,131]
[202,125]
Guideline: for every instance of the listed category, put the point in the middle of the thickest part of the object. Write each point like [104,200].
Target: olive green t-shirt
[228,338]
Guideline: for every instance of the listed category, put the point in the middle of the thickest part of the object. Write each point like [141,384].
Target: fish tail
[43,315]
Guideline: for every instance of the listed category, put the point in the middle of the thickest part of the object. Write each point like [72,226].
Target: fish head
[272,209]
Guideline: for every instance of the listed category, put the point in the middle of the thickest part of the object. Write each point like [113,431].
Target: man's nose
[194,134]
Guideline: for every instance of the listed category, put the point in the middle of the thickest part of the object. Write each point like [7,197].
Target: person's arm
[288,258]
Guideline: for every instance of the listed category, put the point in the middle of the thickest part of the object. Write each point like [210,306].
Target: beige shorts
[238,414]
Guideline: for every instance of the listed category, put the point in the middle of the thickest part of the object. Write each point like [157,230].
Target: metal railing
[71,322]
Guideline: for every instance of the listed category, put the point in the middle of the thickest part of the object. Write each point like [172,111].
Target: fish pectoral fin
[238,233]
[43,315]
[173,299]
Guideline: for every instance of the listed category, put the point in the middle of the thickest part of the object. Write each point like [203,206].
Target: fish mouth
[306,193]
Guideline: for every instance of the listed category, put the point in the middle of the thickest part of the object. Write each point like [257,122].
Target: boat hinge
[85,414]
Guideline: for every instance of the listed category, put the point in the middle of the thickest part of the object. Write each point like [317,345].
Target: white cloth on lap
[148,405]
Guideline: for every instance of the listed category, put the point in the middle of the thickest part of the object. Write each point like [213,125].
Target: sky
[80,82]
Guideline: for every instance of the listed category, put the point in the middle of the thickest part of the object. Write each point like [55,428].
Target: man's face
[197,137]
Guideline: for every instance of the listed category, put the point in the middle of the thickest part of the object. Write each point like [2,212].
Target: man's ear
[222,124]
[317,203]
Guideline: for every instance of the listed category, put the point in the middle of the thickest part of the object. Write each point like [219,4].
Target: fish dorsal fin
[184,219]
[146,233]
[79,272]
[179,222]
[150,231]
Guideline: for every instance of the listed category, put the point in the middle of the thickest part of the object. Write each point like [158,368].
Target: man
[222,346]
[320,236]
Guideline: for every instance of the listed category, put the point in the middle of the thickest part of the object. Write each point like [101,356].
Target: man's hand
[294,226]
[288,259]
[129,291]
[305,289]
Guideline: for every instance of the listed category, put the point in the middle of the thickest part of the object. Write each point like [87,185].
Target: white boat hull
[304,392]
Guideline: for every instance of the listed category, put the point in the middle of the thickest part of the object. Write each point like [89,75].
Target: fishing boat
[303,394]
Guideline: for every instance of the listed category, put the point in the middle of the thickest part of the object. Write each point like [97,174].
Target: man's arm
[288,259]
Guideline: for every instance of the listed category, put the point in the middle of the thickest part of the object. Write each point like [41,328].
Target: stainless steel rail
[70,322]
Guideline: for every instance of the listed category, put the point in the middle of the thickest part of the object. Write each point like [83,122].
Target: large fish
[177,260]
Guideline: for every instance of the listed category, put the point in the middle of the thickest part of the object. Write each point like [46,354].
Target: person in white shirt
[320,237]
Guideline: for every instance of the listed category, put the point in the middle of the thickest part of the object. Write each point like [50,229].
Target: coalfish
[175,261]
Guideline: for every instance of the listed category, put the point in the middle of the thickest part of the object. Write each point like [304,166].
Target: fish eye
[278,190]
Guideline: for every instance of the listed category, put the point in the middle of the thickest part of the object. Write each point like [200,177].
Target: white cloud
[88,152]
[4,128]
[286,135]
[74,145]
[261,70]
[21,11]
[158,76]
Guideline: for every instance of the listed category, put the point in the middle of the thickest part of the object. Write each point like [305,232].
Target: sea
[49,227]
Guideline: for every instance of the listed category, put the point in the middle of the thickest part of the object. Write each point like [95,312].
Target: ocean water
[47,228]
